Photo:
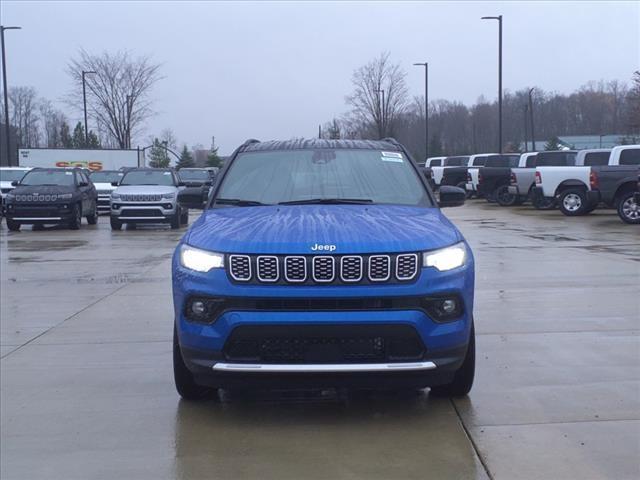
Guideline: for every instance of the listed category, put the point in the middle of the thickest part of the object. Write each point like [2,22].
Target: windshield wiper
[238,202]
[328,201]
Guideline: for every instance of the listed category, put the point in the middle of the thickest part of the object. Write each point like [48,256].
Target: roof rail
[391,140]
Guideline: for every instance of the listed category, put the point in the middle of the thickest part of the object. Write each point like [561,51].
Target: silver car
[147,195]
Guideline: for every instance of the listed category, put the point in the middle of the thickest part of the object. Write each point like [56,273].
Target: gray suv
[147,195]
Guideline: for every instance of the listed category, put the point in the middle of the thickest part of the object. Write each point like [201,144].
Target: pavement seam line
[471,440]
[77,313]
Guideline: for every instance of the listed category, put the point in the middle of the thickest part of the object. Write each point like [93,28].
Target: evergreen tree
[213,160]
[186,159]
[158,157]
[553,144]
[94,141]
[65,136]
[78,140]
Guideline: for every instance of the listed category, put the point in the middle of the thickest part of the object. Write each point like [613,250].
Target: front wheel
[92,218]
[573,202]
[185,385]
[175,220]
[76,217]
[504,198]
[629,209]
[463,378]
[13,225]
[116,224]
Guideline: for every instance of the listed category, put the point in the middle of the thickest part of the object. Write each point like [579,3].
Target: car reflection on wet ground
[87,388]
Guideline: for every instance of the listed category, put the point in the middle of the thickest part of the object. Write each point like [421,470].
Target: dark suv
[52,196]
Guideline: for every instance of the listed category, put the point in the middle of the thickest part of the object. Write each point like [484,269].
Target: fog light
[168,206]
[449,306]
[198,308]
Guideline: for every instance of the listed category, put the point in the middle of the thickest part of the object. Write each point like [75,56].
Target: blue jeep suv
[323,263]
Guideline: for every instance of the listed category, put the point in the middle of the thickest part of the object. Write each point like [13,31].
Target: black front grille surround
[323,269]
[323,344]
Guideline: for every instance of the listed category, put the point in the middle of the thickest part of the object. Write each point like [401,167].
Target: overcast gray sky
[277,69]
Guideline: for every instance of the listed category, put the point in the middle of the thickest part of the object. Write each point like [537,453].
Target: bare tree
[372,108]
[52,121]
[633,105]
[23,105]
[118,93]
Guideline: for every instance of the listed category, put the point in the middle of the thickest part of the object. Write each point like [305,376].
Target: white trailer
[93,159]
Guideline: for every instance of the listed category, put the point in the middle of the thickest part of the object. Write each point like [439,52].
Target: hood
[43,189]
[145,189]
[104,186]
[295,229]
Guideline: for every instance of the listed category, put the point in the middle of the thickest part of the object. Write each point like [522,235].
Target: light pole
[6,97]
[382,125]
[499,18]
[84,101]
[426,107]
[533,132]
[525,108]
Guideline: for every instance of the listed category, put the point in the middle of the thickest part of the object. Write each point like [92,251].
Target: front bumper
[143,212]
[34,213]
[206,347]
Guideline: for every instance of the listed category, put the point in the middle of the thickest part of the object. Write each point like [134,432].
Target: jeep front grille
[323,269]
[127,197]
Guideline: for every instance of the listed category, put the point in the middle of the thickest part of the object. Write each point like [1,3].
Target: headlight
[446,258]
[65,196]
[168,195]
[115,195]
[200,260]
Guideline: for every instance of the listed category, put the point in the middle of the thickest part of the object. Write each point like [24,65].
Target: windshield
[555,159]
[48,177]
[194,175]
[106,177]
[369,176]
[502,161]
[11,175]
[148,177]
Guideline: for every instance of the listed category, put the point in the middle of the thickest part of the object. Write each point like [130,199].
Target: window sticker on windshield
[167,173]
[391,159]
[68,173]
[392,154]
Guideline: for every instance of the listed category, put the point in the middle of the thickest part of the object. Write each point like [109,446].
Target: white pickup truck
[570,185]
[475,163]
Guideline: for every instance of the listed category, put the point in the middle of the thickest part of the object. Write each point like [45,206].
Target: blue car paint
[294,230]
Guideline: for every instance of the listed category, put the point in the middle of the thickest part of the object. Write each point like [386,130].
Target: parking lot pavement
[87,389]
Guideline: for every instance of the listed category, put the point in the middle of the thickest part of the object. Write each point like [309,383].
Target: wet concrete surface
[87,389]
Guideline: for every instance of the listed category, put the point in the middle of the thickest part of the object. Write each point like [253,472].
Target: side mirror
[209,183]
[427,172]
[15,183]
[191,198]
[114,184]
[83,184]
[451,196]
[182,184]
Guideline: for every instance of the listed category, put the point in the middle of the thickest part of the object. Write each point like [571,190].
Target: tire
[503,197]
[628,209]
[13,225]
[115,224]
[544,203]
[490,197]
[75,222]
[573,202]
[175,220]
[185,385]
[92,218]
[463,378]
[184,219]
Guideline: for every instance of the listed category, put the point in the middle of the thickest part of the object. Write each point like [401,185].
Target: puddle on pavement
[44,245]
